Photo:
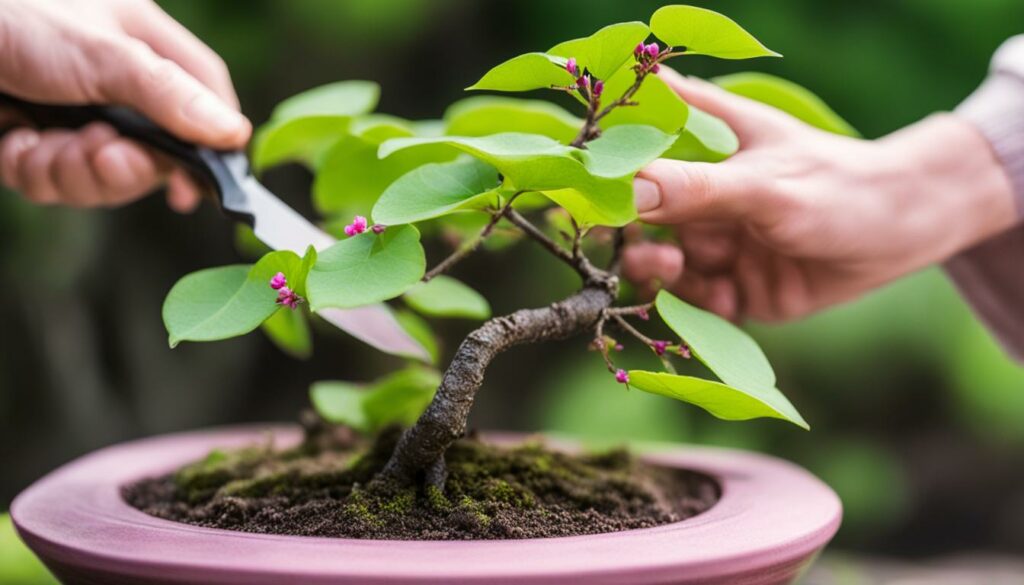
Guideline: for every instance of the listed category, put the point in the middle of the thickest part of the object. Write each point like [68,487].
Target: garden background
[918,417]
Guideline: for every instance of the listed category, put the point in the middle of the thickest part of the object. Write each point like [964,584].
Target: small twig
[615,264]
[631,330]
[576,238]
[516,219]
[640,310]
[471,246]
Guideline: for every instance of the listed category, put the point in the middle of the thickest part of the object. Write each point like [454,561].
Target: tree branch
[422,446]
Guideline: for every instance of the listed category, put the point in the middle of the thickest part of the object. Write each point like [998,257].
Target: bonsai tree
[498,168]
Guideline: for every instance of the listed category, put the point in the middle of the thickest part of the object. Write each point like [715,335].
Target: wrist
[952,188]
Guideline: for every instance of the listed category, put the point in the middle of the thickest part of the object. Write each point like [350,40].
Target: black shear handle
[209,166]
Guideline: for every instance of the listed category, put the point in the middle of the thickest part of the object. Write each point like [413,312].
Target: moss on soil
[526,491]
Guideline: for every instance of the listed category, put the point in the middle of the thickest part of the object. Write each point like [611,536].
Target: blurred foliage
[18,566]
[917,415]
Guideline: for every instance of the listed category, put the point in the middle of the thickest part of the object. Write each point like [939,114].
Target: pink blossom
[378,228]
[659,347]
[572,67]
[652,50]
[622,377]
[643,314]
[639,50]
[278,281]
[684,350]
[288,298]
[583,82]
[598,88]
[357,226]
[619,347]
[655,68]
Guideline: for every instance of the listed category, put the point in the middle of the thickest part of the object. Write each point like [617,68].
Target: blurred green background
[918,417]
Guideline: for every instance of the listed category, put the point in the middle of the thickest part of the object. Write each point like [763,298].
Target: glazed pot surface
[772,519]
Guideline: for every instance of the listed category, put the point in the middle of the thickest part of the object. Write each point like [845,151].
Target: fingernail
[646,195]
[215,116]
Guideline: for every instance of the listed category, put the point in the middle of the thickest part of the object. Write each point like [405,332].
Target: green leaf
[705,32]
[721,400]
[604,52]
[621,151]
[401,397]
[395,399]
[420,330]
[706,138]
[366,268]
[223,302]
[444,296]
[340,403]
[289,331]
[484,115]
[593,184]
[658,104]
[525,73]
[789,97]
[303,125]
[437,189]
[724,348]
[350,177]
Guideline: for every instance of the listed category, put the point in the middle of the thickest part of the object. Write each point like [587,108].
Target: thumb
[669,191]
[131,74]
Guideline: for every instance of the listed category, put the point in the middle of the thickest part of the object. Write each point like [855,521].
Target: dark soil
[527,491]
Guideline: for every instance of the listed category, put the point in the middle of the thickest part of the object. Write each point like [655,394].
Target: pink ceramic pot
[771,521]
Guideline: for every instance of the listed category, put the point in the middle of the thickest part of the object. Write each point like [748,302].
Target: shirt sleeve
[990,275]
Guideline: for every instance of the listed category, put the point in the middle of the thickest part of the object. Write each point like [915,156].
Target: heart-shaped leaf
[721,400]
[604,52]
[705,32]
[350,177]
[593,184]
[395,399]
[724,348]
[437,189]
[789,97]
[444,296]
[228,301]
[525,73]
[303,125]
[706,138]
[366,268]
[484,115]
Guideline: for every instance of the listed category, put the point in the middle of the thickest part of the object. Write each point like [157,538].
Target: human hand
[125,52]
[800,219]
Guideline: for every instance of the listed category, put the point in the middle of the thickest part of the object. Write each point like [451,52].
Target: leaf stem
[471,246]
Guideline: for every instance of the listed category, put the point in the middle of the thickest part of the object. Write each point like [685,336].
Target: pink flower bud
[652,50]
[288,298]
[639,50]
[278,281]
[684,350]
[598,88]
[659,347]
[643,314]
[378,228]
[655,68]
[572,67]
[583,82]
[622,377]
[357,226]
[619,347]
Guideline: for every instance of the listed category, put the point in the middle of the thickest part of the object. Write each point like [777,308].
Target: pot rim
[771,513]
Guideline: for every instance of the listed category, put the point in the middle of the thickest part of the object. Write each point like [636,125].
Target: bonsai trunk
[421,448]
